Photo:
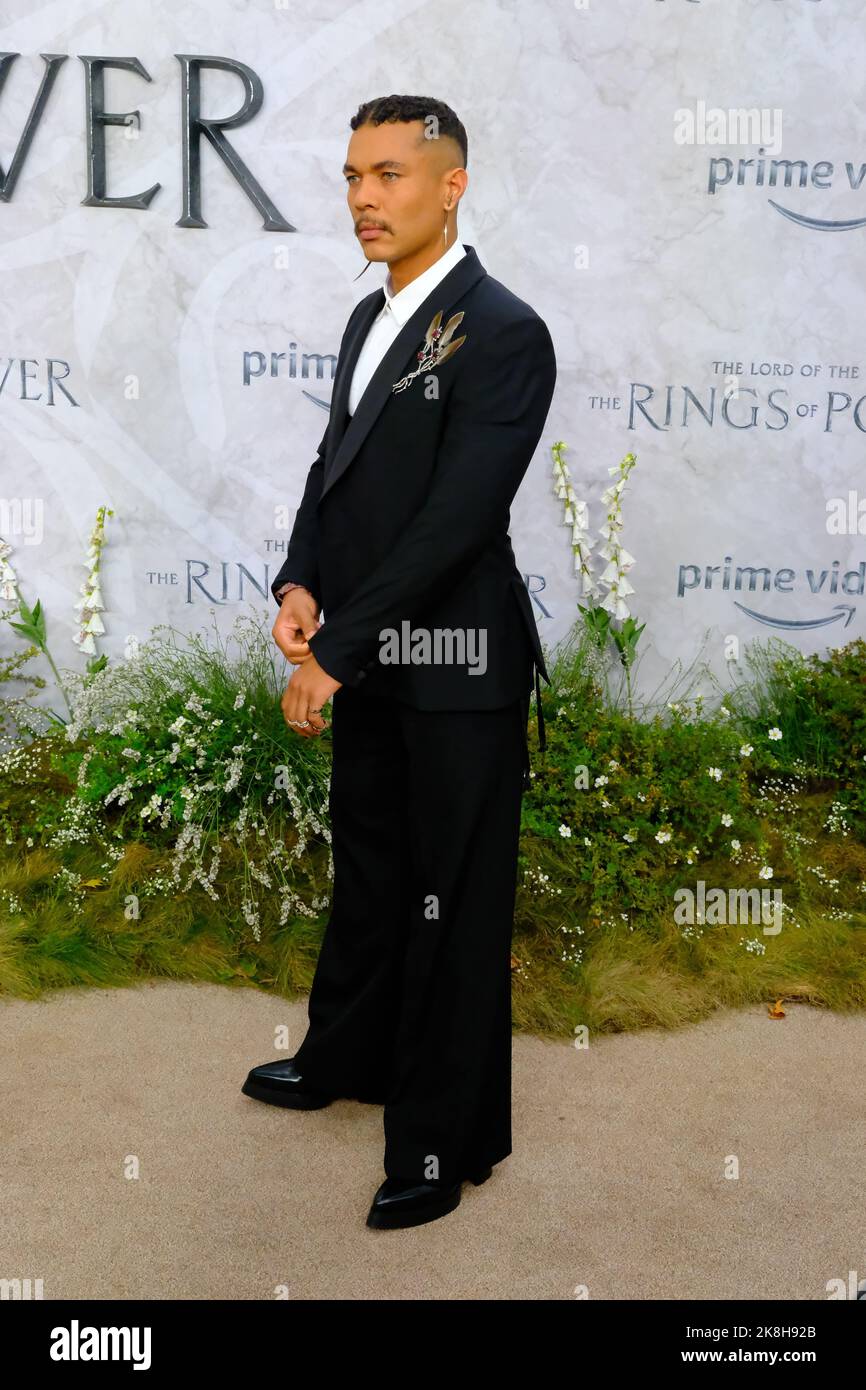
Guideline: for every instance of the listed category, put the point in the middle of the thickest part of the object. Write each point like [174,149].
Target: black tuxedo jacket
[405,513]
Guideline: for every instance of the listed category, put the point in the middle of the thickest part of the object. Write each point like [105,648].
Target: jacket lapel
[443,296]
[340,399]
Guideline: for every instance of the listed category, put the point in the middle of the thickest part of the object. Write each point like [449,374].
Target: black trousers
[411,1000]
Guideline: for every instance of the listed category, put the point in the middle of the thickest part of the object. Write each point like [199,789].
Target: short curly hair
[403,108]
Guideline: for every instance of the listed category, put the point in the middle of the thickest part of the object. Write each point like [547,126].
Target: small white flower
[565,831]
[726,819]
[588,841]
[630,836]
[715,773]
[774,733]
[745,750]
[663,836]
[601,780]
[765,872]
[735,845]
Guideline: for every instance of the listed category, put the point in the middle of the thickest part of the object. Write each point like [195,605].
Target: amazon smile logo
[754,580]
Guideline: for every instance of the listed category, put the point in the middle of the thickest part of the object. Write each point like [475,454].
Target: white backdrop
[667,271]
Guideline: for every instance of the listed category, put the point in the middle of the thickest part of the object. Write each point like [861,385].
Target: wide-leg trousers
[411,1000]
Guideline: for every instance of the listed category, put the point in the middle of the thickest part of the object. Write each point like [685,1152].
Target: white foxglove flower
[615,605]
[91,604]
[8,578]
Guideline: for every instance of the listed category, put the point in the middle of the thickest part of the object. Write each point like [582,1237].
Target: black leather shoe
[400,1203]
[280,1083]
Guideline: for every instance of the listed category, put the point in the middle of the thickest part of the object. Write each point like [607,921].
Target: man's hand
[296,621]
[305,695]
[310,686]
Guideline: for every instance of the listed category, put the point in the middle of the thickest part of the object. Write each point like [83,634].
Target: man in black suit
[443,384]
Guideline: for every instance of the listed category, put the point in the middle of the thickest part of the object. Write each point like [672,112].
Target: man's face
[396,185]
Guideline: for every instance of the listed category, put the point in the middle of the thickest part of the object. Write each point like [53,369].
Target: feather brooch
[438,345]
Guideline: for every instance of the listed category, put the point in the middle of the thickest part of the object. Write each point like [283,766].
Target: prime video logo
[318,366]
[764,579]
[796,173]
[75,1343]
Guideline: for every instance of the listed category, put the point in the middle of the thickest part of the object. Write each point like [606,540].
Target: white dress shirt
[395,312]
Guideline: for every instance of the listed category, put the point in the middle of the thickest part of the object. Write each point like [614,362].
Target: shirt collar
[403,304]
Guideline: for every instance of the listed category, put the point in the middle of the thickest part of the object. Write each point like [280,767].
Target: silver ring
[299,723]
